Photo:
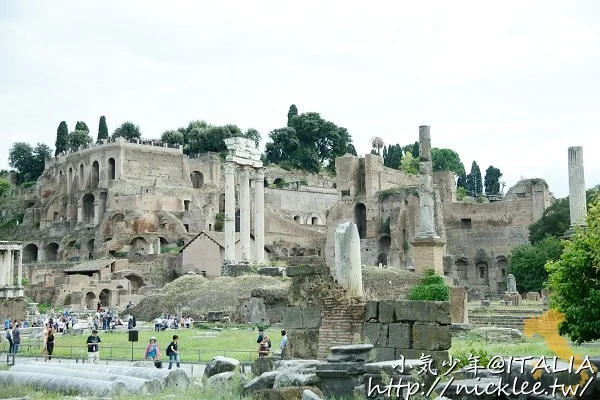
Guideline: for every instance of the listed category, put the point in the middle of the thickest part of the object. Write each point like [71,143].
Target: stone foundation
[13,308]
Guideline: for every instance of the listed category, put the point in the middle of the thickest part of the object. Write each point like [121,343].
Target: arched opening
[105,298]
[278,182]
[111,169]
[298,219]
[118,217]
[461,269]
[95,174]
[81,177]
[237,221]
[360,217]
[382,259]
[71,244]
[51,251]
[502,268]
[265,183]
[88,208]
[481,268]
[90,300]
[315,221]
[197,179]
[135,283]
[139,246]
[89,248]
[30,253]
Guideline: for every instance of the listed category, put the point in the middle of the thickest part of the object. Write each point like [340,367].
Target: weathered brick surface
[342,323]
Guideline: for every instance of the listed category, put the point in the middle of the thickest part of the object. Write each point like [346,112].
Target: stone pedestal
[344,370]
[428,253]
[513,299]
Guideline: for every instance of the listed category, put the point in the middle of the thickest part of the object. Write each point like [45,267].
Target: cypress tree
[102,129]
[62,138]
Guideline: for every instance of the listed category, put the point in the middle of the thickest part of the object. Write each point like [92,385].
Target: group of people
[106,319]
[152,351]
[13,335]
[264,344]
[163,322]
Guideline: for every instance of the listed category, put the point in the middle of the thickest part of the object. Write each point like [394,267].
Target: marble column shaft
[20,270]
[229,225]
[259,215]
[96,212]
[3,268]
[577,200]
[245,213]
[426,201]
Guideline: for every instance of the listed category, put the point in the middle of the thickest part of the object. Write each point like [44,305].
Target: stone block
[262,365]
[371,310]
[400,335]
[311,317]
[265,381]
[271,271]
[371,332]
[386,311]
[420,310]
[219,365]
[383,335]
[287,393]
[385,354]
[534,296]
[292,318]
[303,342]
[430,336]
[352,352]
[307,270]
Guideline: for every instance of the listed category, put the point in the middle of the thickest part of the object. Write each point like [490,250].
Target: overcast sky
[512,84]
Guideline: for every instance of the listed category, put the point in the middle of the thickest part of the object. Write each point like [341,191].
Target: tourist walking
[8,336]
[173,352]
[49,343]
[93,347]
[283,344]
[152,351]
[261,336]
[16,338]
[264,347]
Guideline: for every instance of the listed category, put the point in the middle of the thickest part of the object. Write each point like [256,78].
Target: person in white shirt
[157,324]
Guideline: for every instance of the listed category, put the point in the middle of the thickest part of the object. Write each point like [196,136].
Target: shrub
[431,287]
[461,192]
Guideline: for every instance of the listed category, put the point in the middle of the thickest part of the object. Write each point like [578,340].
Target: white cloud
[511,84]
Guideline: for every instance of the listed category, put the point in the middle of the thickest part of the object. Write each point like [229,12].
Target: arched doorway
[95,174]
[315,221]
[360,218]
[111,168]
[88,208]
[135,283]
[90,300]
[30,253]
[105,298]
[51,251]
[298,219]
[139,246]
[197,179]
[89,248]
[481,268]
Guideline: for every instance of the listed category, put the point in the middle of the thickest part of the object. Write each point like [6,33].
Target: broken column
[259,215]
[229,225]
[428,247]
[348,270]
[245,213]
[577,200]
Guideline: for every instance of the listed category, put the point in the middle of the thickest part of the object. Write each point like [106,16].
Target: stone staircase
[502,318]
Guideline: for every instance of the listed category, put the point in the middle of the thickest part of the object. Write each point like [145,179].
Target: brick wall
[342,323]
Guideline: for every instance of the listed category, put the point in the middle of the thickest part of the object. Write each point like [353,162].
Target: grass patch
[194,344]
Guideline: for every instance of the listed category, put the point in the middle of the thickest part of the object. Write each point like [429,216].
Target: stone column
[229,213]
[577,201]
[79,211]
[10,271]
[426,201]
[20,270]
[158,250]
[245,213]
[348,269]
[259,215]
[96,212]
[2,268]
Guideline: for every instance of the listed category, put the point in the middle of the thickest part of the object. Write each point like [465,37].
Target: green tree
[492,180]
[82,126]
[172,137]
[430,287]
[574,281]
[128,130]
[4,186]
[447,160]
[62,140]
[102,129]
[253,134]
[79,138]
[293,112]
[392,156]
[527,263]
[412,149]
[409,164]
[28,162]
[461,182]
[350,149]
[377,143]
[474,184]
[309,143]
